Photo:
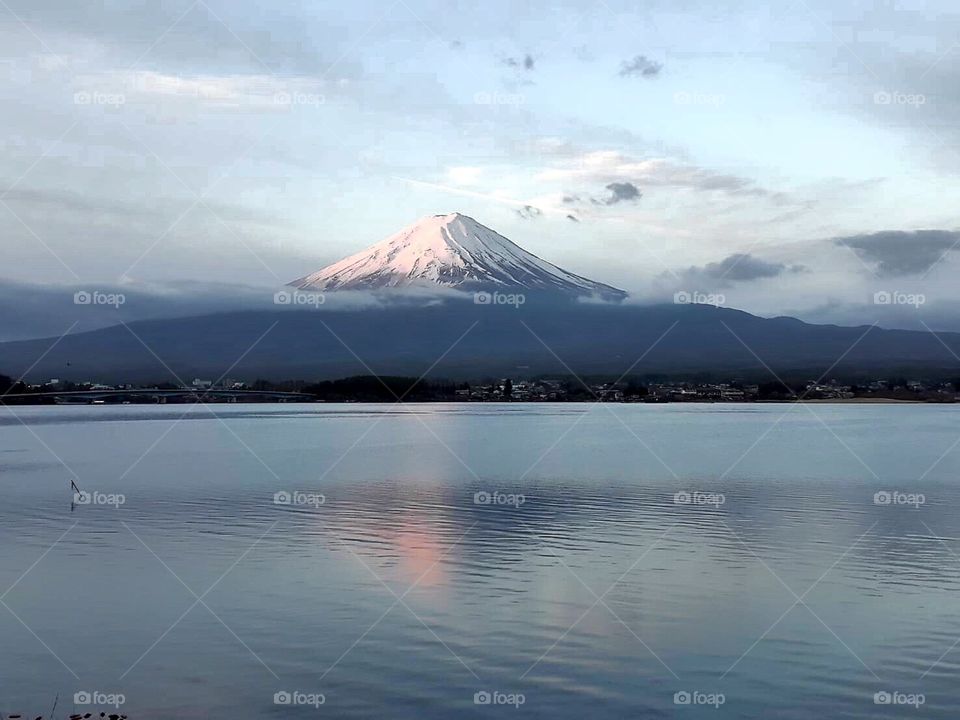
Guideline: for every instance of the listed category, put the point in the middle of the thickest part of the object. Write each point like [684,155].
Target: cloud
[95,209]
[640,66]
[611,167]
[895,83]
[738,267]
[464,174]
[897,253]
[622,192]
[583,53]
[33,310]
[526,62]
[529,212]
[237,37]
[617,192]
[741,267]
[939,314]
[239,92]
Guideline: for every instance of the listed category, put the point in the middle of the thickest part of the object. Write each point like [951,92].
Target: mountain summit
[453,251]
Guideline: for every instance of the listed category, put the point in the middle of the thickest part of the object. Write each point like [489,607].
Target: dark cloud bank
[897,253]
[736,268]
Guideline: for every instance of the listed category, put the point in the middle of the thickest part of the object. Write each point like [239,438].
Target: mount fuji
[551,333]
[452,251]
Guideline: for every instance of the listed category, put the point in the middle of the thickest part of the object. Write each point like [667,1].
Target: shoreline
[812,401]
[875,401]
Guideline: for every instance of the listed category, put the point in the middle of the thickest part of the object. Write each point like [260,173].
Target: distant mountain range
[552,322]
[537,338]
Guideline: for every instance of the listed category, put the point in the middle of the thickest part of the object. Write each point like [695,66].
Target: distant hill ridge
[493,341]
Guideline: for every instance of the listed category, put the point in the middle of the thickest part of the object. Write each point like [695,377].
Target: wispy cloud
[609,167]
[640,66]
[529,212]
[526,62]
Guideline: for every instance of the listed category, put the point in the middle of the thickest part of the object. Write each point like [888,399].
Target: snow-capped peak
[453,251]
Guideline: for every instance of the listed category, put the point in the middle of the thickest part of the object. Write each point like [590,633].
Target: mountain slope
[493,341]
[453,251]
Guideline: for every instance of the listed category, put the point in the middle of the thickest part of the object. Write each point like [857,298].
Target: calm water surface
[389,590]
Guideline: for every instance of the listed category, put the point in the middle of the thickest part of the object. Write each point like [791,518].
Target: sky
[796,158]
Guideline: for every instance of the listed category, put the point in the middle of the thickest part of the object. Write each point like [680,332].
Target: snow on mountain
[453,251]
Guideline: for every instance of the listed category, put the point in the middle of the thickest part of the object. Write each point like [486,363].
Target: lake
[436,561]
